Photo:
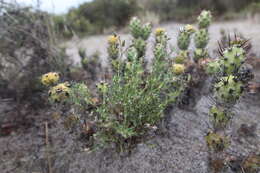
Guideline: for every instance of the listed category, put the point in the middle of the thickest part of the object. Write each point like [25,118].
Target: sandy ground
[249,28]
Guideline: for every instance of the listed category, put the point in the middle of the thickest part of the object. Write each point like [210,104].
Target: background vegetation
[98,16]
[27,50]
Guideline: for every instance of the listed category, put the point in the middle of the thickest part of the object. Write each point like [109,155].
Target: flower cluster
[50,78]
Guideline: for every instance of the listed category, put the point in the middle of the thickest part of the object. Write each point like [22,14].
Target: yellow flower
[50,78]
[113,39]
[159,31]
[178,69]
[189,28]
[59,92]
[103,87]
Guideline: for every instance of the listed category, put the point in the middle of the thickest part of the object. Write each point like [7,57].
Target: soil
[178,146]
[249,28]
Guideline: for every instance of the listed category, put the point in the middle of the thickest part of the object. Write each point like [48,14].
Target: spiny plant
[232,63]
[201,37]
[245,74]
[140,33]
[213,67]
[204,19]
[147,29]
[200,54]
[230,79]
[201,40]
[183,42]
[182,57]
[232,59]
[227,40]
[231,76]
[139,30]
[219,116]
[184,37]
[233,51]
[229,89]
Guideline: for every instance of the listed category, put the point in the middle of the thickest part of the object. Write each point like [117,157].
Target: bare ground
[249,28]
[179,148]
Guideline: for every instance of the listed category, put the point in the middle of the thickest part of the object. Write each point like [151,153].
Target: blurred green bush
[96,16]
[183,10]
[254,7]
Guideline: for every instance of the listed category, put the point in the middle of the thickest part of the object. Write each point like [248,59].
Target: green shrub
[59,23]
[82,26]
[134,100]
[101,14]
[253,7]
[79,95]
[93,17]
[61,27]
